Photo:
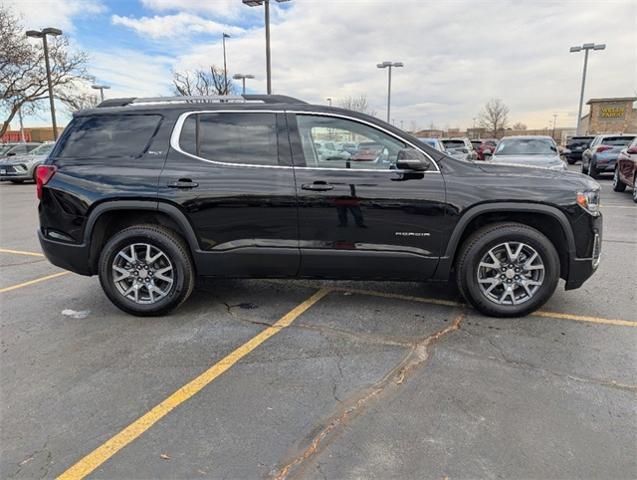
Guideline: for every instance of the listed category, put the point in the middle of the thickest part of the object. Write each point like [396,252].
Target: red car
[480,146]
[626,169]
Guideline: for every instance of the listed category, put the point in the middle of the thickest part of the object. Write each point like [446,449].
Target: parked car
[530,150]
[576,146]
[349,147]
[483,146]
[18,149]
[601,156]
[459,148]
[22,167]
[328,151]
[148,193]
[433,143]
[626,170]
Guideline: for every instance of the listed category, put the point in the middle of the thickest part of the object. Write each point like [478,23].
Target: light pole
[225,66]
[240,76]
[389,65]
[586,47]
[329,101]
[54,32]
[554,122]
[268,67]
[101,88]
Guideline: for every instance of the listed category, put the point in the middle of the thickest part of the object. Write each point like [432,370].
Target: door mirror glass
[412,159]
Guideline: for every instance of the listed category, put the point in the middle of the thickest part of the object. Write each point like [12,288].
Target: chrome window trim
[176,133]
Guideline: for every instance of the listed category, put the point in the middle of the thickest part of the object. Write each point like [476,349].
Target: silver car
[19,168]
[534,151]
[459,148]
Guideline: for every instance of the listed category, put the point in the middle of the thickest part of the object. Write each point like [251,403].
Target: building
[610,115]
[35,134]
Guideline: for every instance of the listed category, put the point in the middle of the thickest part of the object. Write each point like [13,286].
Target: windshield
[617,141]
[43,149]
[4,148]
[526,146]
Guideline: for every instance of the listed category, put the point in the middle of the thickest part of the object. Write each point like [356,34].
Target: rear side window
[617,141]
[104,136]
[247,138]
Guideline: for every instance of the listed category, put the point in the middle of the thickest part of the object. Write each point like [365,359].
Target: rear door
[230,173]
[360,217]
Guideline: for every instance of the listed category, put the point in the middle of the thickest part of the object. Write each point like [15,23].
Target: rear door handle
[317,186]
[182,183]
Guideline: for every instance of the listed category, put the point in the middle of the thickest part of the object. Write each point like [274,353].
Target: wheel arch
[549,220]
[111,216]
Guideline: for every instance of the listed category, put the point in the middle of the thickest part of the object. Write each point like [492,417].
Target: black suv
[151,193]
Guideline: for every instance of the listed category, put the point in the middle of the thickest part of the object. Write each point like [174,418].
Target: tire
[635,189]
[17,182]
[171,277]
[493,237]
[570,161]
[592,170]
[583,167]
[618,185]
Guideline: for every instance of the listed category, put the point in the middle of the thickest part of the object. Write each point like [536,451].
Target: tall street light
[389,66]
[586,47]
[225,66]
[268,67]
[242,77]
[54,32]
[101,88]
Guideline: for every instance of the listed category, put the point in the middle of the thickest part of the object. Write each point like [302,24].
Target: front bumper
[16,171]
[68,256]
[581,269]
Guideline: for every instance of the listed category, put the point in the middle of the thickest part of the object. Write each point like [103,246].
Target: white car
[531,150]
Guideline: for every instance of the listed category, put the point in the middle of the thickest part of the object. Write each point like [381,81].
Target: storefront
[610,115]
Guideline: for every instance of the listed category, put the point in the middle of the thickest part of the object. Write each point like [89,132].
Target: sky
[457,54]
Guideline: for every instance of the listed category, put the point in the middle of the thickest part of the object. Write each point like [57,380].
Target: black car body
[576,146]
[241,192]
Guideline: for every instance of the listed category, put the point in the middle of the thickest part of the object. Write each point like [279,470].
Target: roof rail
[120,102]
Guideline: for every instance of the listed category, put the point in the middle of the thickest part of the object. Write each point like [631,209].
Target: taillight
[603,148]
[43,174]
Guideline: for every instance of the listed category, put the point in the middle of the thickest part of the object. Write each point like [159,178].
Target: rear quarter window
[102,136]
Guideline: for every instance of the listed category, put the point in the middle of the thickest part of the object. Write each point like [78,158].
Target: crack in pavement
[416,357]
[524,365]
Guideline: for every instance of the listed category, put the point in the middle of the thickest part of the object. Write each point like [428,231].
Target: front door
[359,216]
[231,174]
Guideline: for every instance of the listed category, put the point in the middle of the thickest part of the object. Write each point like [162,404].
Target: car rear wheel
[507,270]
[635,189]
[146,270]
[618,185]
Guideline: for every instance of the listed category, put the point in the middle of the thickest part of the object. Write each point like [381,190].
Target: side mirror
[412,159]
[487,154]
[11,154]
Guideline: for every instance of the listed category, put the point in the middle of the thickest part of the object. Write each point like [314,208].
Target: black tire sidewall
[490,239]
[182,270]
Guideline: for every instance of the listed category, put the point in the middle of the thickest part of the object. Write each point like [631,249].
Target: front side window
[246,138]
[368,148]
[103,136]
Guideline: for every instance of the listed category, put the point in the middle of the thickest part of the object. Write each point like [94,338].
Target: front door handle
[317,186]
[182,183]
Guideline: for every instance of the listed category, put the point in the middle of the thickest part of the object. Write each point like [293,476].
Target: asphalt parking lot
[299,379]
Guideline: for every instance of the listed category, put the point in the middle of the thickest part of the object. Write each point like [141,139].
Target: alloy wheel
[635,189]
[510,273]
[616,178]
[142,273]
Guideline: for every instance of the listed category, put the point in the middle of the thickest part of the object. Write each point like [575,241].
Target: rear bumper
[66,255]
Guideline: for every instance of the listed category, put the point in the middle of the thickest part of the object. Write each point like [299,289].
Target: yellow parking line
[20,252]
[105,451]
[451,303]
[32,282]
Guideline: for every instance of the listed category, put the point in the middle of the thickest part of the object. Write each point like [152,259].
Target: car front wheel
[146,270]
[618,185]
[635,189]
[507,269]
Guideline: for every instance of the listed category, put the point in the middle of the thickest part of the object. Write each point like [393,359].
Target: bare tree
[494,116]
[202,82]
[518,126]
[80,101]
[22,71]
[357,104]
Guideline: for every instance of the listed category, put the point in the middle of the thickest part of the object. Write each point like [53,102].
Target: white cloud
[168,26]
[217,8]
[51,13]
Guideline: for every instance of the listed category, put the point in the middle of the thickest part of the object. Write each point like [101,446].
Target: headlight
[589,201]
